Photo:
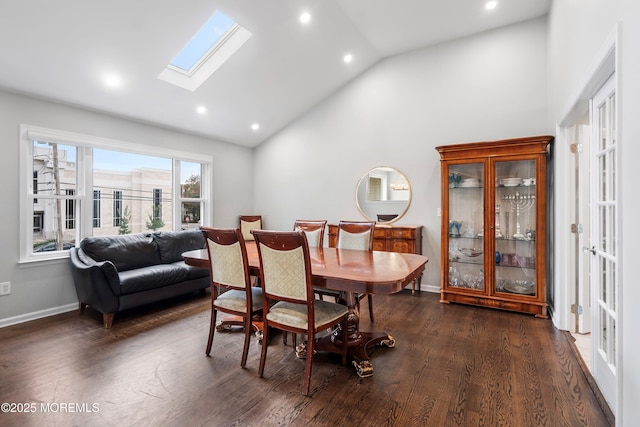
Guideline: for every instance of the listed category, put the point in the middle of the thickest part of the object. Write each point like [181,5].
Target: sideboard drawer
[402,233]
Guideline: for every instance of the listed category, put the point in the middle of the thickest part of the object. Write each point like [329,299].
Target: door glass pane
[515,190]
[602,342]
[466,226]
[603,127]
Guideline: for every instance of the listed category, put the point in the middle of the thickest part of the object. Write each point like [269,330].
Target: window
[35,186]
[218,39]
[72,174]
[96,209]
[70,219]
[117,208]
[190,193]
[157,203]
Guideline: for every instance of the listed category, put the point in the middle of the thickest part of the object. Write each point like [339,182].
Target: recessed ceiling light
[201,109]
[255,126]
[112,81]
[348,58]
[305,17]
[491,5]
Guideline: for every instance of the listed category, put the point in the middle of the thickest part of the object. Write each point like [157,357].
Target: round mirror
[383,194]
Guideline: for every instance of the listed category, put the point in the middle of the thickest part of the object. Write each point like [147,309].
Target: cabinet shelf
[517,281]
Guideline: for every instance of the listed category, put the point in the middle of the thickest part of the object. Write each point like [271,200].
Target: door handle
[592,249]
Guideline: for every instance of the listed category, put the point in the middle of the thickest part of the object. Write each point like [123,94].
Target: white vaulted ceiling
[62,50]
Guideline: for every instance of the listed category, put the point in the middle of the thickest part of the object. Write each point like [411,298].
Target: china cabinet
[494,210]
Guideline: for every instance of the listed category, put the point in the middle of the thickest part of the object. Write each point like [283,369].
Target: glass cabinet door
[515,227]
[466,226]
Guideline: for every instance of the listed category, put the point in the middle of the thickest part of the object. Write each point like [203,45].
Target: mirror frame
[363,181]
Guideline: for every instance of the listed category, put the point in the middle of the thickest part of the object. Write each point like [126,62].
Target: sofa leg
[81,306]
[107,320]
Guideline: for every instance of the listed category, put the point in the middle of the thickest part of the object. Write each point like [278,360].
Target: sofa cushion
[171,244]
[192,272]
[151,277]
[126,252]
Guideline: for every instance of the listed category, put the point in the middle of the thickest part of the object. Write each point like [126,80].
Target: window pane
[141,191]
[190,177]
[54,168]
[190,214]
[54,225]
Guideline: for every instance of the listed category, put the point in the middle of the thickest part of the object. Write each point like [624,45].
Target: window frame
[84,196]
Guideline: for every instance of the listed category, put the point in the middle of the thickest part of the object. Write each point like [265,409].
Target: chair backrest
[313,229]
[285,266]
[248,223]
[355,235]
[228,262]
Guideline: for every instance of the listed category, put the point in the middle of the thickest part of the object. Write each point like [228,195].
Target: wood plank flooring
[453,365]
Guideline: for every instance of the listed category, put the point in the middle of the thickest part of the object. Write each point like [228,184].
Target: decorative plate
[470,252]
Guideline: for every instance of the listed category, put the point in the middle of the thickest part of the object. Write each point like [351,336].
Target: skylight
[211,32]
[218,39]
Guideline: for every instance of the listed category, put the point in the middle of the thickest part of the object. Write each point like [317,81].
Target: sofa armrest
[97,283]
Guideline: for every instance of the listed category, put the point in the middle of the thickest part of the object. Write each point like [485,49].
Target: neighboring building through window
[157,203]
[70,219]
[117,208]
[96,209]
[35,185]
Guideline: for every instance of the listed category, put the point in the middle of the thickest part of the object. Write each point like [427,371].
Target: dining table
[350,272]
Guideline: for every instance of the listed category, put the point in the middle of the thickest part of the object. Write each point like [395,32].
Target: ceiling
[62,50]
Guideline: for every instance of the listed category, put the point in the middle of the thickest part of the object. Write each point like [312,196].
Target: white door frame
[605,64]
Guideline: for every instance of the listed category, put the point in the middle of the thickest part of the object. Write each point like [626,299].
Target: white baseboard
[430,288]
[37,315]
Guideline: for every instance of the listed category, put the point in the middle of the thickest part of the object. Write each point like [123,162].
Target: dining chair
[248,223]
[231,290]
[313,229]
[285,275]
[357,235]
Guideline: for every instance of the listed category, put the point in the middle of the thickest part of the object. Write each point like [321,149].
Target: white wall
[578,31]
[45,288]
[486,87]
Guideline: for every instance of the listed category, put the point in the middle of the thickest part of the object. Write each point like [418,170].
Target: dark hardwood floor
[453,365]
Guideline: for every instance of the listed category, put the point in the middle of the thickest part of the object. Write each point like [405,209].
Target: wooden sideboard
[391,238]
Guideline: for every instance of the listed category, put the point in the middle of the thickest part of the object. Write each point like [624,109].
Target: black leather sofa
[116,273]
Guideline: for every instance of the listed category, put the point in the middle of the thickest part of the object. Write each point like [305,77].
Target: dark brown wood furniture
[391,238]
[494,227]
[248,223]
[229,271]
[288,297]
[350,272]
[357,235]
[314,229]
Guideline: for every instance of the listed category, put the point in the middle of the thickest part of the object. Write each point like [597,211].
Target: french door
[604,242]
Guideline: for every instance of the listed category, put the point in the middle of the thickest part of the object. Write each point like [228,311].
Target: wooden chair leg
[306,385]
[263,352]
[247,339]
[212,328]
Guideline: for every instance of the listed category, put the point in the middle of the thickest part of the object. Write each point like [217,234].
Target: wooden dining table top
[374,272]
